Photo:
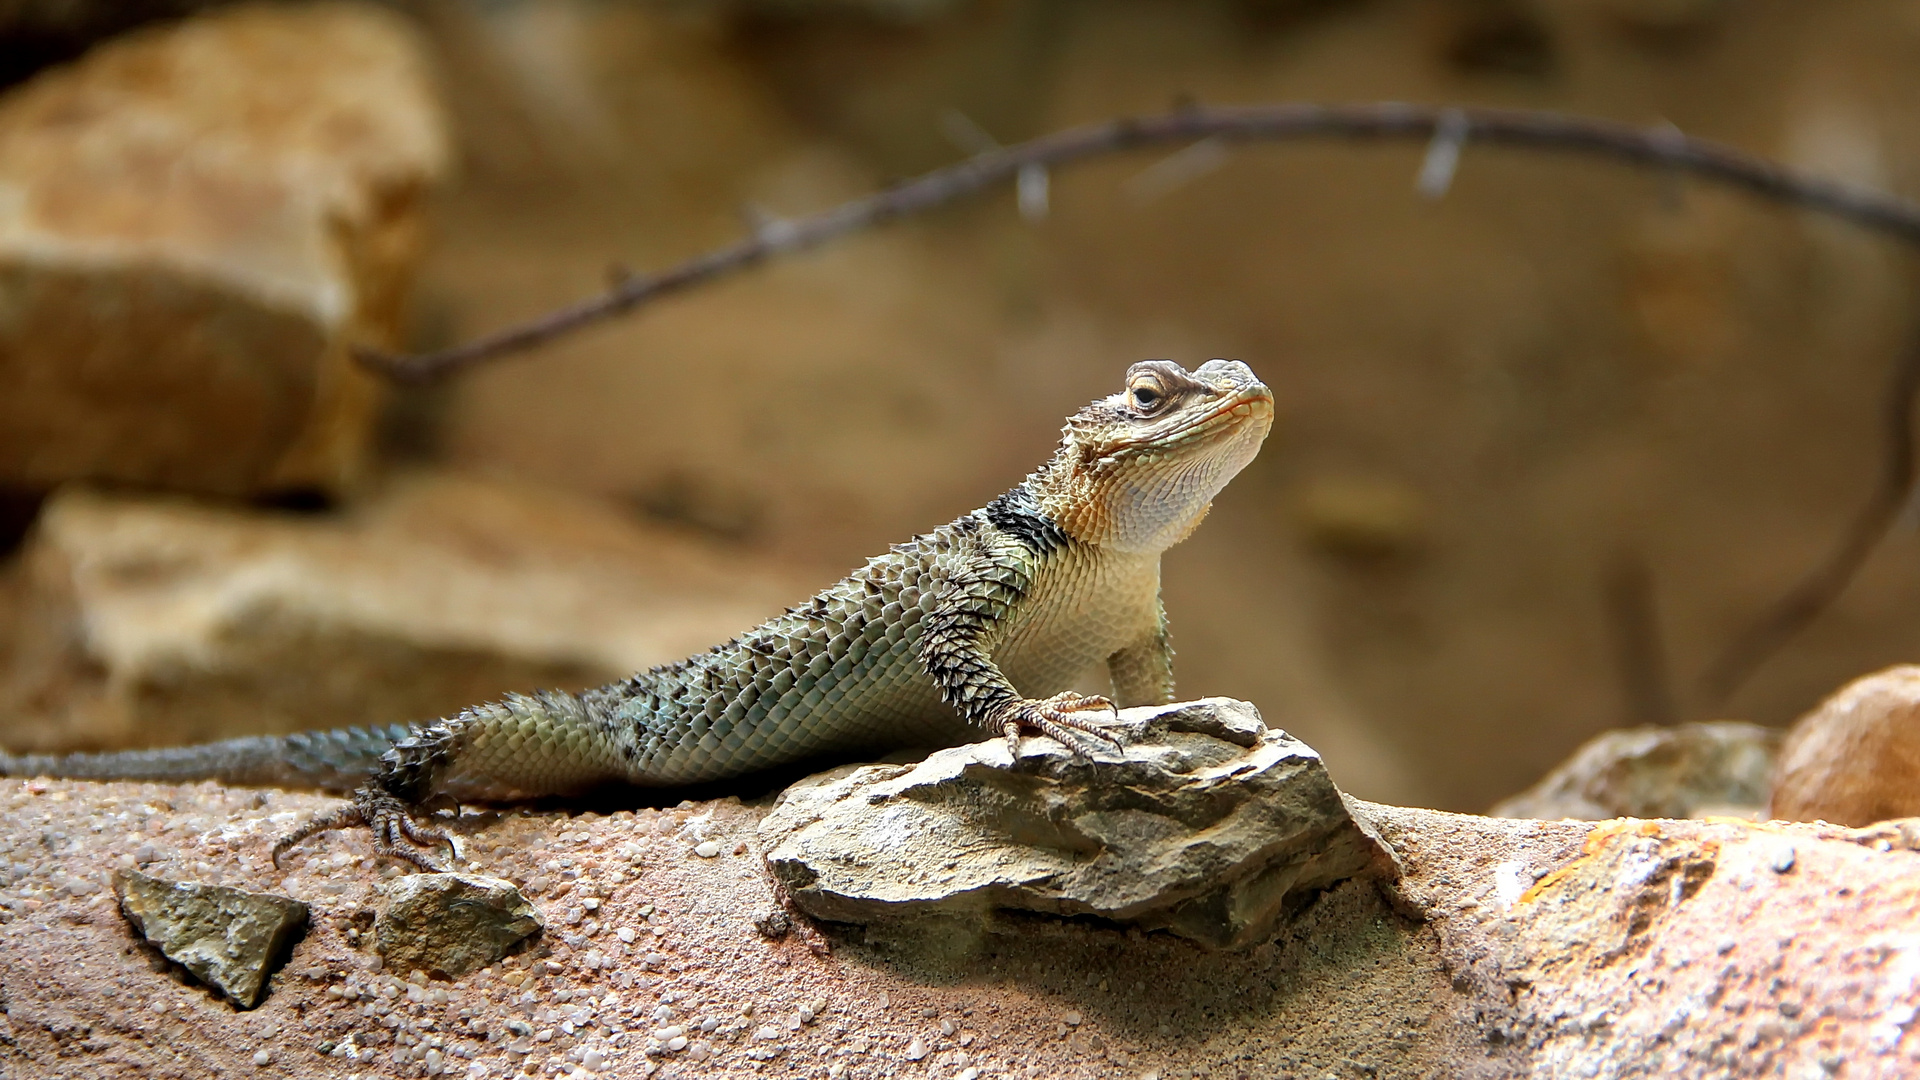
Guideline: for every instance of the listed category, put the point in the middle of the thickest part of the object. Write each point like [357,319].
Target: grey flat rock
[1689,770]
[231,940]
[1209,824]
[450,924]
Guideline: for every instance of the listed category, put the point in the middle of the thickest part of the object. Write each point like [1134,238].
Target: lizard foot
[1055,716]
[390,819]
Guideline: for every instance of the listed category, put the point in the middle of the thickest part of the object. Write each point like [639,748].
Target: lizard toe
[1056,717]
[345,817]
[395,833]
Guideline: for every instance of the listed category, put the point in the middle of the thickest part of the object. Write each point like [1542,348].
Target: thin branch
[1824,584]
[1633,621]
[1661,146]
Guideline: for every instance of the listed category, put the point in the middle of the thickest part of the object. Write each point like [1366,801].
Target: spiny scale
[922,646]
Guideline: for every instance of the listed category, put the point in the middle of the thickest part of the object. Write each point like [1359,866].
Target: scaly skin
[941,639]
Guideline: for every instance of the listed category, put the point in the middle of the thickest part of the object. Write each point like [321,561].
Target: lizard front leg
[1143,672]
[982,589]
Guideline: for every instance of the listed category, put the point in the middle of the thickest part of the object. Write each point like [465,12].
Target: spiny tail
[338,760]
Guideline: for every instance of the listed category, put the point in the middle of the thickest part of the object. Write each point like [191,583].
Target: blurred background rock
[1488,401]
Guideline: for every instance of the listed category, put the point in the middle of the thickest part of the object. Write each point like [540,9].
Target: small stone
[774,925]
[706,849]
[1783,860]
[231,940]
[450,924]
[262,1058]
[1073,1019]
[916,1049]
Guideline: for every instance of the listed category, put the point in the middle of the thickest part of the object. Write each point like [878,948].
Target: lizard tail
[338,760]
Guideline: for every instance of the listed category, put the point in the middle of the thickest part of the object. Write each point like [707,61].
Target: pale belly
[1092,608]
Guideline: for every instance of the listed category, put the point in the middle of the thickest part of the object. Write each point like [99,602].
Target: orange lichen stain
[1597,843]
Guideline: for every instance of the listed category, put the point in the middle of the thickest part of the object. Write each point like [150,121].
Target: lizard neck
[1101,508]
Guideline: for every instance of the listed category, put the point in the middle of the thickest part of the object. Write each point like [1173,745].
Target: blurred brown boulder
[1690,770]
[150,620]
[1855,760]
[194,221]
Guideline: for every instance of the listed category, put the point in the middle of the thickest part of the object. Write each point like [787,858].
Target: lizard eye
[1147,397]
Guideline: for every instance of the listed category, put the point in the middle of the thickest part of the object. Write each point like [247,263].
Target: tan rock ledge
[194,222]
[1515,949]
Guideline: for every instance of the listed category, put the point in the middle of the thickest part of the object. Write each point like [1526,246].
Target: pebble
[916,1049]
[1073,1019]
[1783,860]
[263,1058]
[706,849]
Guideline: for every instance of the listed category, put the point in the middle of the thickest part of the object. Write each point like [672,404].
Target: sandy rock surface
[1547,949]
[1715,948]
[148,620]
[205,214]
[648,943]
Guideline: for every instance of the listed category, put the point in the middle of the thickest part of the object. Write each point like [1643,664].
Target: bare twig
[1824,584]
[1659,146]
[1633,619]
[1447,130]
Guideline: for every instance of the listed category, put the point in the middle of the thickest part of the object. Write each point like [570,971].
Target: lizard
[944,639]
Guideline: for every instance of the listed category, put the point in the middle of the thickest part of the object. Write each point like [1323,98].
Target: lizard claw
[391,821]
[1055,717]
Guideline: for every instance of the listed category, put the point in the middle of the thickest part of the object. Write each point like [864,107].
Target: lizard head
[1138,470]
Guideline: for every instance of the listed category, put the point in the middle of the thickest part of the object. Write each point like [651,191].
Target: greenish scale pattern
[952,636]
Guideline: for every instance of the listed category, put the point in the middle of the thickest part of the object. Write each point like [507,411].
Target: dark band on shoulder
[1018,514]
